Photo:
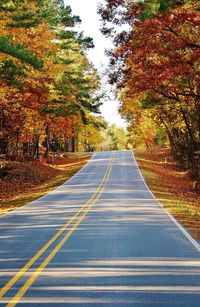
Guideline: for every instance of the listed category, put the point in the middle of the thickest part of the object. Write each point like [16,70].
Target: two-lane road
[101,239]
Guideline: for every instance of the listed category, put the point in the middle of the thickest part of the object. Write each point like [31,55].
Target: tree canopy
[48,86]
[156,68]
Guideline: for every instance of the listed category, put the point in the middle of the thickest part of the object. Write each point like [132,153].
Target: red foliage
[162,52]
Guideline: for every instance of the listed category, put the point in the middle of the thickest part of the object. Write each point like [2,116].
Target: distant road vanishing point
[100,239]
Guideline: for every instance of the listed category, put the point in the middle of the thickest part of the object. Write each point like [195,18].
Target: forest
[51,96]
[155,66]
[50,93]
[49,90]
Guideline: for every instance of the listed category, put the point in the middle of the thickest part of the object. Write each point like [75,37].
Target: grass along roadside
[26,192]
[172,187]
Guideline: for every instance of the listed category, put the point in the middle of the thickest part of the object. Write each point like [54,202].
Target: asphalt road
[101,239]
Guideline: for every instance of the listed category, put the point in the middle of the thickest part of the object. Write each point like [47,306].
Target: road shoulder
[172,188]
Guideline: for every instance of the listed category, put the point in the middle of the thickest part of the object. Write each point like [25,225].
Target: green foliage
[11,73]
[8,6]
[65,16]
[153,7]
[56,13]
[8,46]
[23,16]
[66,34]
[116,138]
[165,5]
[150,102]
[80,86]
[25,24]
[98,122]
[24,19]
[85,42]
[64,108]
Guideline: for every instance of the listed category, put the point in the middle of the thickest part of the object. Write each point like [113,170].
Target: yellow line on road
[28,265]
[43,265]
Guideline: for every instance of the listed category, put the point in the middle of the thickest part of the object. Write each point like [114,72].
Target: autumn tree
[157,61]
[115,138]
[92,134]
[47,84]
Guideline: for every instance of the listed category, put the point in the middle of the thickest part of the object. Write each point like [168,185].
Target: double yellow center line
[77,219]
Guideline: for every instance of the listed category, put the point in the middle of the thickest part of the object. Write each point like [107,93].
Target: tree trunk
[170,136]
[47,142]
[73,141]
[191,142]
[17,144]
[36,147]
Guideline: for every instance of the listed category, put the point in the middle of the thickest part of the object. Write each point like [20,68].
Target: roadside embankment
[23,182]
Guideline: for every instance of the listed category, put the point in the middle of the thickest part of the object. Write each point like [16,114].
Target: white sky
[87,10]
